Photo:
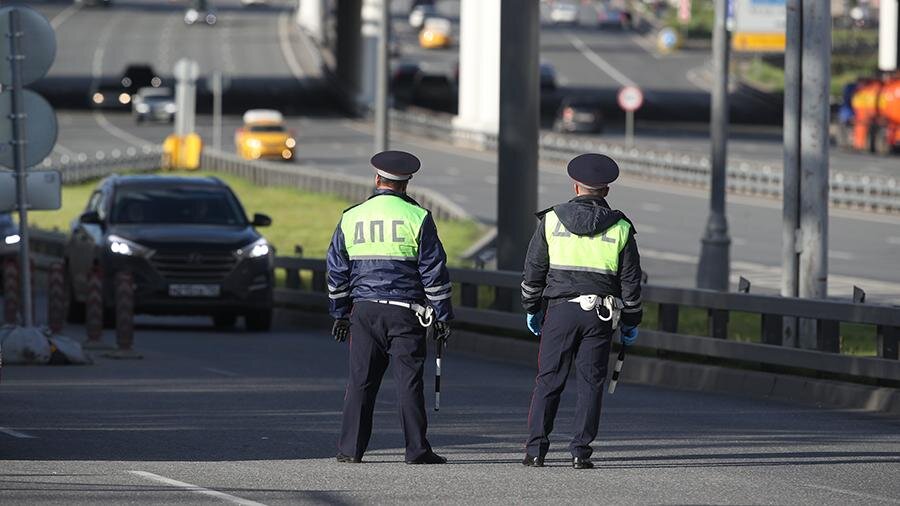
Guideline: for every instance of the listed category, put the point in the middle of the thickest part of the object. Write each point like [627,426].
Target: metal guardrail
[311,293]
[354,188]
[81,167]
[873,193]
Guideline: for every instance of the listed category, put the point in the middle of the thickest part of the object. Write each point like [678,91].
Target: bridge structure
[245,418]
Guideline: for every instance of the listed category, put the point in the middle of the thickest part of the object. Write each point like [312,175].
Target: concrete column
[347,49]
[888,42]
[311,18]
[479,66]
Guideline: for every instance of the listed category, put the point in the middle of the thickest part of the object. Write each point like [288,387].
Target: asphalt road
[670,219]
[256,416]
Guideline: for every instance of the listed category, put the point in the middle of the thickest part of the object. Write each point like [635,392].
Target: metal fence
[849,190]
[81,167]
[475,285]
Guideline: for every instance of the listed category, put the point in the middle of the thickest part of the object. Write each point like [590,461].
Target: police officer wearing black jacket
[582,276]
[387,281]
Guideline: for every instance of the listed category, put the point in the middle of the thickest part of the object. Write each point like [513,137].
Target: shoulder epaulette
[540,214]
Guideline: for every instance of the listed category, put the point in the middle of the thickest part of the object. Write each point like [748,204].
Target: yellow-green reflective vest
[385,227]
[595,253]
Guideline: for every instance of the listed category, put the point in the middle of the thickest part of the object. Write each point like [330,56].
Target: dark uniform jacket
[422,280]
[583,216]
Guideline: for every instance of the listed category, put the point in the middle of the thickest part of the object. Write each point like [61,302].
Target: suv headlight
[12,239]
[256,249]
[122,246]
[142,108]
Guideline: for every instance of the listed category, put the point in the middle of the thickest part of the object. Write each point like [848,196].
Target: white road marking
[221,372]
[63,15]
[693,76]
[16,434]
[598,61]
[454,171]
[651,207]
[873,497]
[895,241]
[840,255]
[647,46]
[490,179]
[458,197]
[647,229]
[188,487]
[286,50]
[117,132]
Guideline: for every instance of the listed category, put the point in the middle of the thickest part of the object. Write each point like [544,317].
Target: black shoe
[582,463]
[530,461]
[346,459]
[428,458]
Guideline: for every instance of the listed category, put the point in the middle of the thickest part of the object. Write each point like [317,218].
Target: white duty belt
[613,306]
[425,314]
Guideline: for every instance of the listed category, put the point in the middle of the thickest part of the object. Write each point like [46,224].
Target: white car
[564,13]
[254,3]
[419,14]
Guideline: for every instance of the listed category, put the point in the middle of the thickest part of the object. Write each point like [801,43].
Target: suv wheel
[259,320]
[224,321]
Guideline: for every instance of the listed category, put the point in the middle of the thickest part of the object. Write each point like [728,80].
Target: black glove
[341,329]
[441,332]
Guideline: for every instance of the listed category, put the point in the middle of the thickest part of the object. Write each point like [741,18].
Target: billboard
[758,25]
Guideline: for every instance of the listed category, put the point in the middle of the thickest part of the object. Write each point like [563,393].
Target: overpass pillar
[311,18]
[371,21]
[348,46]
[479,66]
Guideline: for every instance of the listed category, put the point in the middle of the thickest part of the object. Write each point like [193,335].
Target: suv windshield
[177,204]
[267,128]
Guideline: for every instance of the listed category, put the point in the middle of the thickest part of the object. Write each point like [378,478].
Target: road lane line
[874,497]
[221,372]
[188,487]
[117,132]
[64,15]
[598,61]
[287,51]
[894,241]
[651,207]
[16,434]
[840,255]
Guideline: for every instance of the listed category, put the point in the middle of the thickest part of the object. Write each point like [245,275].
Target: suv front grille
[202,266]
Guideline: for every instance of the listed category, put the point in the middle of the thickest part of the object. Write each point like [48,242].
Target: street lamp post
[713,269]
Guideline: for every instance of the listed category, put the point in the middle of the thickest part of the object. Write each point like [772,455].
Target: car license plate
[194,290]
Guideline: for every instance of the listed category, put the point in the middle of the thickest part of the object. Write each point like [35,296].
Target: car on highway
[9,231]
[153,104]
[200,13]
[579,115]
[120,94]
[563,13]
[264,134]
[186,240]
[436,34]
[419,14]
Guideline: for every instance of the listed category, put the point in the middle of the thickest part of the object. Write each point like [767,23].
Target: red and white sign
[684,11]
[630,98]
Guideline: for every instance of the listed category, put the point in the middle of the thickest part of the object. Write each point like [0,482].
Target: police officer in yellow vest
[387,282]
[582,280]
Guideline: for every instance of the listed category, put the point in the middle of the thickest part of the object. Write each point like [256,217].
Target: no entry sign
[630,98]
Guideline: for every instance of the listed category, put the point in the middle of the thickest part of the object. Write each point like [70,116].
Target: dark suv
[188,242]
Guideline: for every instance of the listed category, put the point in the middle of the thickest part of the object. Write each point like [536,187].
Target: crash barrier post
[93,309]
[124,310]
[10,291]
[56,301]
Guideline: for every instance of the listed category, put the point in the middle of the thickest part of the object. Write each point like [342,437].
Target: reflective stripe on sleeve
[341,295]
[435,289]
[439,297]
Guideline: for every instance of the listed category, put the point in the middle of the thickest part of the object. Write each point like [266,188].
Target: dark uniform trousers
[378,333]
[569,333]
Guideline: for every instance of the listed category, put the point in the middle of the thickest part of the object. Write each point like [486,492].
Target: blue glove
[534,322]
[629,335]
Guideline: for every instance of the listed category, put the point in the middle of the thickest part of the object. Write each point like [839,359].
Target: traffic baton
[437,375]
[617,370]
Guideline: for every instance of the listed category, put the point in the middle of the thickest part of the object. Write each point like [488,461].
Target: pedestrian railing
[477,290]
[846,189]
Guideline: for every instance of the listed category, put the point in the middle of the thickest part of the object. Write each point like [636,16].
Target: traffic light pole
[714,267]
[382,141]
[790,258]
[18,142]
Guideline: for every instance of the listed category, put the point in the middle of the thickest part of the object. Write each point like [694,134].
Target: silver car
[154,104]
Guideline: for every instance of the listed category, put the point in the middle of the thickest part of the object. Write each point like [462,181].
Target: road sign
[759,25]
[37,44]
[43,187]
[40,129]
[667,40]
[630,98]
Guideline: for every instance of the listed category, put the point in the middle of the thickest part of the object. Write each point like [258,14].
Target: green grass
[298,217]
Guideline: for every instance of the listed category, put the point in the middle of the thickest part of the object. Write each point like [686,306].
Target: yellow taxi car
[435,34]
[264,135]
